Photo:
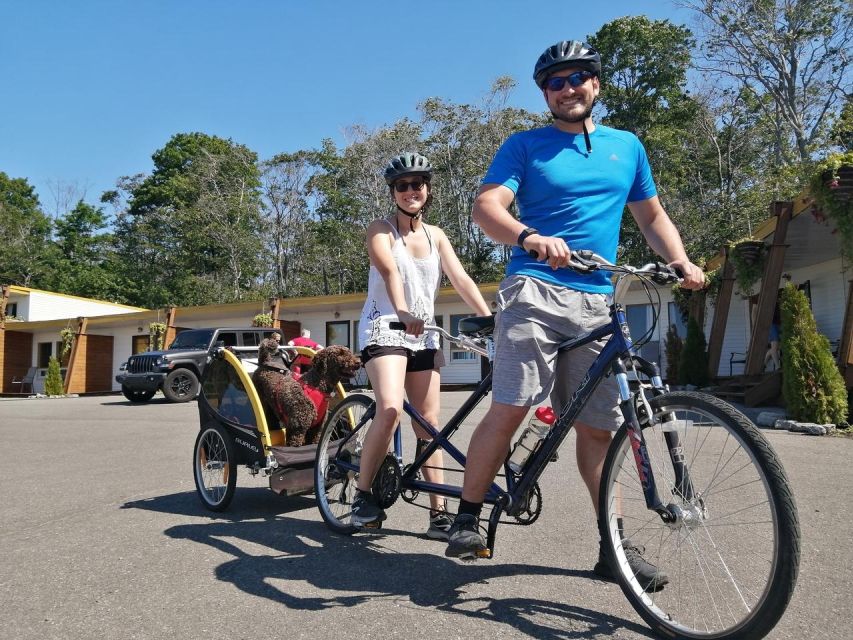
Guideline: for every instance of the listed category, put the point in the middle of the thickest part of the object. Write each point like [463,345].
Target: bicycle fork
[629,405]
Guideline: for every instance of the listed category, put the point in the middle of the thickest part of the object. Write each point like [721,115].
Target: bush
[811,383]
[53,382]
[673,347]
[693,365]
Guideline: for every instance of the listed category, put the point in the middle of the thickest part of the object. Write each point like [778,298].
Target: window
[639,319]
[676,318]
[251,339]
[139,344]
[459,355]
[45,350]
[338,333]
[229,338]
[12,310]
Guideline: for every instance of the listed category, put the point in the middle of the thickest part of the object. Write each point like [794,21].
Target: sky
[90,89]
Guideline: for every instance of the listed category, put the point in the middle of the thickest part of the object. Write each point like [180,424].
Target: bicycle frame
[512,499]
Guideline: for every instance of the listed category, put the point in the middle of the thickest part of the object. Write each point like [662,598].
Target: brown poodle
[300,402]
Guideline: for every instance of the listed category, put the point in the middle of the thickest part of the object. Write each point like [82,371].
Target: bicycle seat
[477,327]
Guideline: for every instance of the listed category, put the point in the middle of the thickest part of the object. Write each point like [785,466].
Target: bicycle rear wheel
[334,485]
[732,554]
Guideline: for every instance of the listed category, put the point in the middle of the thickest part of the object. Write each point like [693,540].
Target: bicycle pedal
[373,525]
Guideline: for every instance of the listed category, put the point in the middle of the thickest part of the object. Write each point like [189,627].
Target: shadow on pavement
[353,570]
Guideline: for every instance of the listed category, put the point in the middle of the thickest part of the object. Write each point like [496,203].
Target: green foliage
[157,335]
[262,320]
[66,336]
[693,365]
[824,185]
[842,129]
[673,347]
[190,232]
[24,233]
[811,382]
[53,385]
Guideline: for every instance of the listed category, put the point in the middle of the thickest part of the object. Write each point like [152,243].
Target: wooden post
[769,292]
[77,359]
[721,315]
[4,301]
[171,312]
[274,304]
[845,346]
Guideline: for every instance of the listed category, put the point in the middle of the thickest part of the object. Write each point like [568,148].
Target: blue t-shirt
[563,191]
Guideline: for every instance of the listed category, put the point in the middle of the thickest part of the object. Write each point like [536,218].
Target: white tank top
[421,278]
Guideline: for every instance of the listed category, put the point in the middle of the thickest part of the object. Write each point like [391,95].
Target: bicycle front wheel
[729,558]
[334,483]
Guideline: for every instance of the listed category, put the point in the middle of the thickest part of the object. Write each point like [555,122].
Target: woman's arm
[379,251]
[457,275]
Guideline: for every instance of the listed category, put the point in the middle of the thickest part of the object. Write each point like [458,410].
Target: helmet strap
[586,138]
[412,217]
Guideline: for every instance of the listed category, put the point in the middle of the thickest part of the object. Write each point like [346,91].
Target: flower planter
[749,251]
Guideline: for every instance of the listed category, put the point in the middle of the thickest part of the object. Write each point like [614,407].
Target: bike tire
[334,489]
[214,467]
[732,562]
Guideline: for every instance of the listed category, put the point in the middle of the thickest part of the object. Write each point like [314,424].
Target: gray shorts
[533,318]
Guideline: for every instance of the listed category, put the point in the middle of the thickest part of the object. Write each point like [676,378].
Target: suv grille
[141,364]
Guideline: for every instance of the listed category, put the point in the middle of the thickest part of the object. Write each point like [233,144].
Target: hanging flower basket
[750,251]
[831,187]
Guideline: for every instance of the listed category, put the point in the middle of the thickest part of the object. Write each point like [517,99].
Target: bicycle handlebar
[585,261]
[463,341]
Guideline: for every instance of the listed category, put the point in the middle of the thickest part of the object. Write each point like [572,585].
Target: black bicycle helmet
[408,164]
[568,53]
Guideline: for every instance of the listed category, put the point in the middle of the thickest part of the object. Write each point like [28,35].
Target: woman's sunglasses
[576,79]
[401,186]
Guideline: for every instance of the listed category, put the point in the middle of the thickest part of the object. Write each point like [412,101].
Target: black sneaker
[465,540]
[366,512]
[439,525]
[650,577]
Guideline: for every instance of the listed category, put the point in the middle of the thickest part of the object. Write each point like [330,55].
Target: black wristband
[529,231]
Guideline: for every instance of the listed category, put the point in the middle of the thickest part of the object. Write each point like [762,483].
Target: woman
[407,258]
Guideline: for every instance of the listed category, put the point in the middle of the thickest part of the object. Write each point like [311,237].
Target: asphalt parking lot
[103,536]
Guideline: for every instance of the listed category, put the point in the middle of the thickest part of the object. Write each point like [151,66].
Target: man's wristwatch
[529,231]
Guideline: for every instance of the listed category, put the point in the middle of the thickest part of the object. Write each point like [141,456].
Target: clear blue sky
[89,89]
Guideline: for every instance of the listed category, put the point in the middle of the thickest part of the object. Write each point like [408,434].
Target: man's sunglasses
[576,79]
[401,186]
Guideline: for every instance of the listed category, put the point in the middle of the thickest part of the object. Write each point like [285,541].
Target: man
[571,182]
[301,363]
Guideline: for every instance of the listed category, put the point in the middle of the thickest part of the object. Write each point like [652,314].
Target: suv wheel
[181,385]
[137,395]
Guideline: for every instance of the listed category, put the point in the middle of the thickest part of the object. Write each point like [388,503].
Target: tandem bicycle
[687,475]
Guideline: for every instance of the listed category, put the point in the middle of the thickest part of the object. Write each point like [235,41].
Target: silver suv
[177,370]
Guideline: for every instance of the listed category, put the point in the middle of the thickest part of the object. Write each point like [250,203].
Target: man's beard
[580,118]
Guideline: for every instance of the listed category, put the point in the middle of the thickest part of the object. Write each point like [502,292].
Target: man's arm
[664,239]
[491,213]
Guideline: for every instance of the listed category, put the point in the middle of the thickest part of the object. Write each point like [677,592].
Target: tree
[24,233]
[693,365]
[811,383]
[173,226]
[795,52]
[53,385]
[82,264]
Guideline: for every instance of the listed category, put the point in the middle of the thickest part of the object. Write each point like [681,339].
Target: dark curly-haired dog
[300,403]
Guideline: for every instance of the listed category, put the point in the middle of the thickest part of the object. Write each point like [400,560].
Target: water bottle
[531,437]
